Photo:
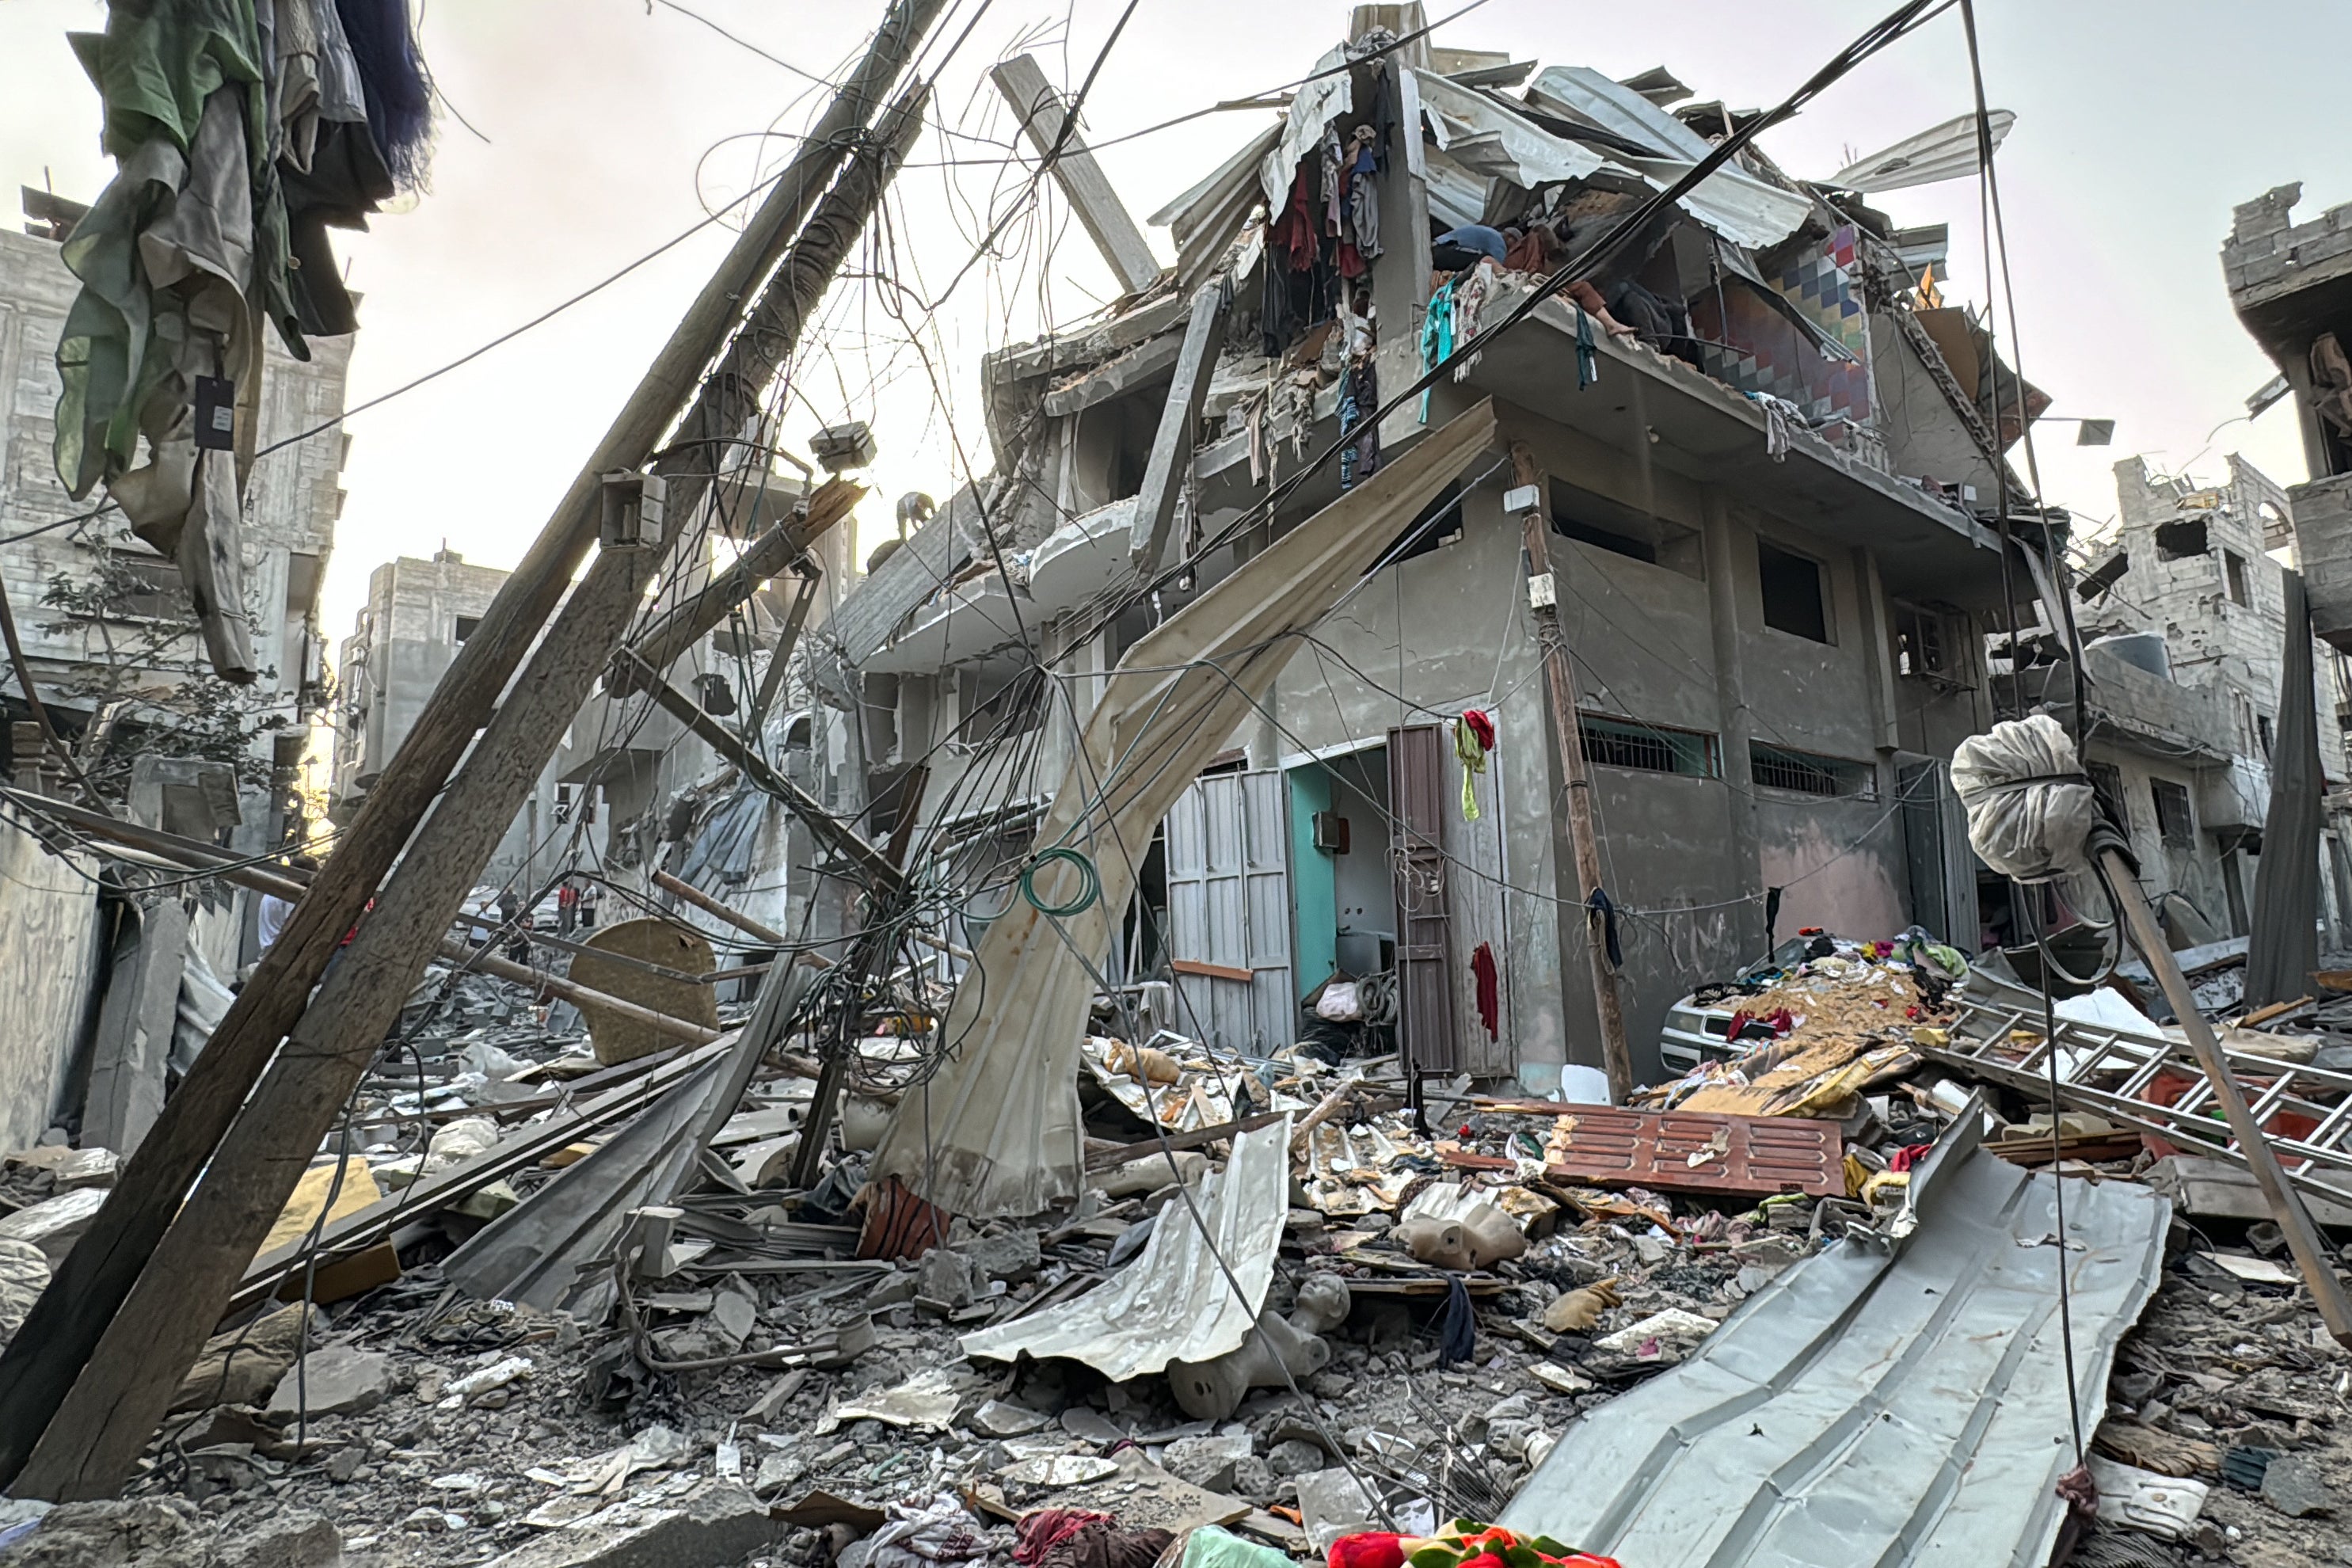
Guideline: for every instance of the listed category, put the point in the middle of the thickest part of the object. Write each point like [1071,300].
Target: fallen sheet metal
[1173,1303]
[1902,1404]
[1696,1152]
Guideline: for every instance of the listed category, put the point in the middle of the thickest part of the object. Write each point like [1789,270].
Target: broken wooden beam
[1171,462]
[831,830]
[1045,120]
[710,906]
[2313,1256]
[676,632]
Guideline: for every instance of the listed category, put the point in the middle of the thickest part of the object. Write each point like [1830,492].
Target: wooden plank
[710,906]
[121,1383]
[1576,782]
[1212,971]
[678,629]
[1180,417]
[1119,1154]
[1046,122]
[2262,1015]
[2312,1253]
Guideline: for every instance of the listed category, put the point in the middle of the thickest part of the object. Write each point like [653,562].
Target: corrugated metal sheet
[1173,1303]
[1417,756]
[1944,152]
[1904,1406]
[1700,1152]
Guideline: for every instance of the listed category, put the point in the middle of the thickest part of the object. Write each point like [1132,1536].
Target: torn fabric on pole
[996,1131]
[1174,1303]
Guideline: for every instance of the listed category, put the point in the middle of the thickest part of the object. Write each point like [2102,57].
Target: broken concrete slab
[242,1366]
[2296,1486]
[1012,1256]
[152,1532]
[297,1538]
[717,1521]
[336,1380]
[1208,1462]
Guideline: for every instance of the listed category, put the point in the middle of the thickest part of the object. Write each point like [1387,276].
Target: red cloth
[1369,1550]
[1482,969]
[1902,1159]
[1481,726]
[1040,1532]
[1295,232]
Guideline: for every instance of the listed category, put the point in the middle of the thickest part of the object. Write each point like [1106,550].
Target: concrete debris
[335,1380]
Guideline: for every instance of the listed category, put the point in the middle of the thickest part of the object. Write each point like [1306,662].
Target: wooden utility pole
[77,1434]
[1576,779]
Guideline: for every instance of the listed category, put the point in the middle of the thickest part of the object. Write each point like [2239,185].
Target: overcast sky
[607,127]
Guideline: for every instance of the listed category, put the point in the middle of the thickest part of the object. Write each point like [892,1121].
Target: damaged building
[1769,468]
[2183,618]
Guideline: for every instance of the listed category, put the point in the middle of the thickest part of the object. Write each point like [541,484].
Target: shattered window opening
[2235,565]
[2176,821]
[2180,541]
[2107,784]
[1923,642]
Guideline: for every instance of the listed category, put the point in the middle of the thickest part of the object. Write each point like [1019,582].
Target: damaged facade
[2182,617]
[1770,510]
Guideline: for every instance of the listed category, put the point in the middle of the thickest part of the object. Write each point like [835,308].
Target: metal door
[1417,757]
[1474,900]
[1228,911]
[1935,844]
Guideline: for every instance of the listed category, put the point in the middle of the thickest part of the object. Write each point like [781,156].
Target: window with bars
[2175,820]
[1649,748]
[1779,767]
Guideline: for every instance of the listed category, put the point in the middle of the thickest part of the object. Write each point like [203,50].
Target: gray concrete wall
[48,961]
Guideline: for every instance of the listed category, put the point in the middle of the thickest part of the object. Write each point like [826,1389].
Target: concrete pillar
[1719,541]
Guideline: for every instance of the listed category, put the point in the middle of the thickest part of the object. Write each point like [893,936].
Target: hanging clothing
[1294,233]
[399,93]
[1364,194]
[185,248]
[1333,161]
[1601,910]
[1437,336]
[1471,750]
[1483,974]
[1360,399]
[1587,351]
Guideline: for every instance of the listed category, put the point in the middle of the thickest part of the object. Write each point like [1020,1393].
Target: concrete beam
[1046,121]
[1172,446]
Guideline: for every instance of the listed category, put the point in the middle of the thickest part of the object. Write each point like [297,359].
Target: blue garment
[1476,237]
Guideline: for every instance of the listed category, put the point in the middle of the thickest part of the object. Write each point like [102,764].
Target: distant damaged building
[1770,464]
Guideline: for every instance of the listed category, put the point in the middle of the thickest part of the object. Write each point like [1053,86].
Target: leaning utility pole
[78,1377]
[1567,733]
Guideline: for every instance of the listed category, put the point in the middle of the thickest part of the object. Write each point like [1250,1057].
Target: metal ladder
[1997,1035]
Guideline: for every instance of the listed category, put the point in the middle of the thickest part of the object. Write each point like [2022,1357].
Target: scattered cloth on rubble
[937,1529]
[1079,1538]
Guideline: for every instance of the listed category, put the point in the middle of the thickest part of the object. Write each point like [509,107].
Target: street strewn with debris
[1497,889]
